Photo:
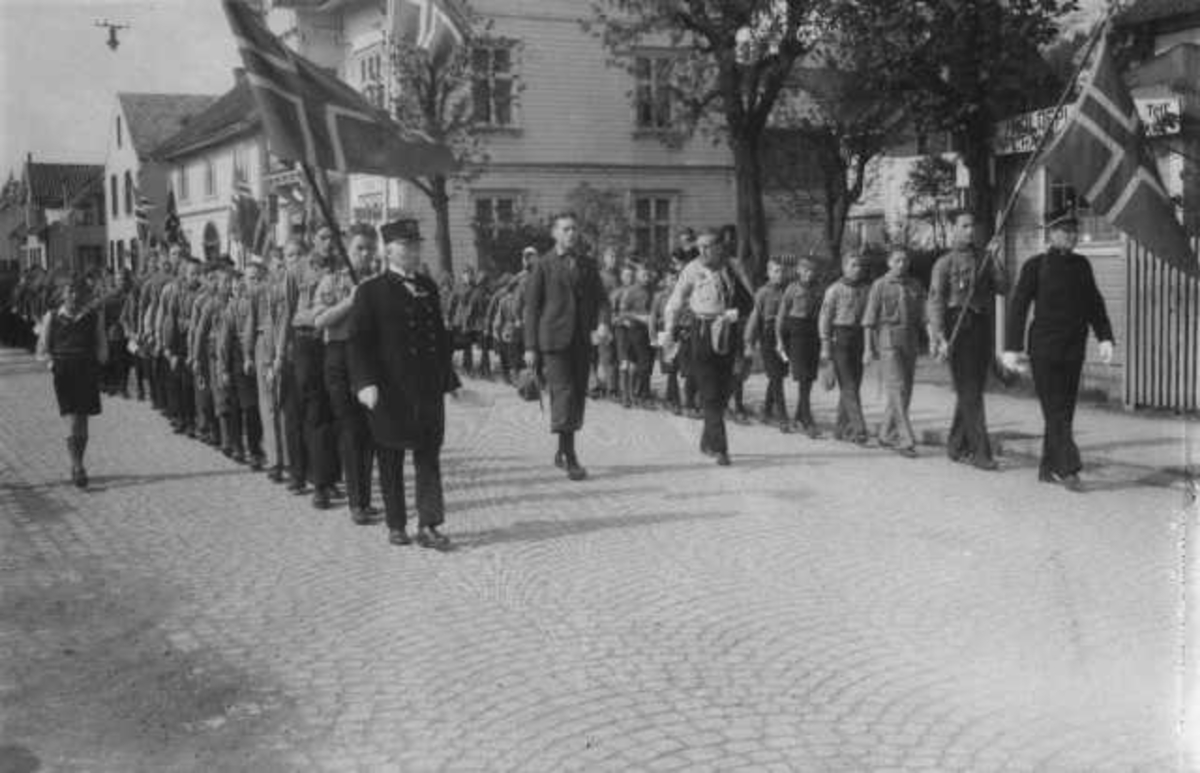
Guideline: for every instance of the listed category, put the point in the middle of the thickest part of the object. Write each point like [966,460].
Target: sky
[58,79]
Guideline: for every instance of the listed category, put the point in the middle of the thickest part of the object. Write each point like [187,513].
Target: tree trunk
[440,202]
[977,157]
[751,213]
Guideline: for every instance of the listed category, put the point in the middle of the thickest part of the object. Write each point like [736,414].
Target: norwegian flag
[243,212]
[1101,153]
[171,228]
[312,117]
[437,27]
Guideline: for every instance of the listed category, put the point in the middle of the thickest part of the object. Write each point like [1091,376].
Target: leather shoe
[361,517]
[575,470]
[723,459]
[988,465]
[1072,483]
[321,498]
[399,537]
[297,487]
[704,449]
[372,510]
[430,537]
[907,452]
[560,460]
[275,475]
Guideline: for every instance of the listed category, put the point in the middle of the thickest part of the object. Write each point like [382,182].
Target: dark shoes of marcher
[723,459]
[430,537]
[399,537]
[575,471]
[1069,482]
[321,498]
[908,452]
[365,516]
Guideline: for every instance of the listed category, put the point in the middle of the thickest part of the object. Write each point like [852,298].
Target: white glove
[731,315]
[782,353]
[1012,362]
[369,396]
[1106,352]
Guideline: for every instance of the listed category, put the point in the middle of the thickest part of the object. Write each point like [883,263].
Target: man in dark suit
[1060,285]
[565,308]
[400,369]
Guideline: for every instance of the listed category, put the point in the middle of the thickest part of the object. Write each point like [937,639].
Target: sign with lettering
[1020,134]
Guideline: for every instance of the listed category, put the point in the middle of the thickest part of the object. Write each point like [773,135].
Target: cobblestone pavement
[815,607]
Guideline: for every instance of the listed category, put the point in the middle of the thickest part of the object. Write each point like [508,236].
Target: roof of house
[1143,11]
[48,183]
[152,118]
[230,115]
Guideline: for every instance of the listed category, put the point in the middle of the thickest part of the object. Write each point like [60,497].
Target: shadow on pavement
[106,482]
[537,531]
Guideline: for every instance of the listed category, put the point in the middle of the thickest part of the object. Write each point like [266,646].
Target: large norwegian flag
[243,212]
[312,117]
[438,27]
[1101,153]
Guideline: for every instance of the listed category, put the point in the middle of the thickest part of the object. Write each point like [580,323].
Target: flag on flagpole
[171,228]
[243,212]
[1101,152]
[141,213]
[438,27]
[312,117]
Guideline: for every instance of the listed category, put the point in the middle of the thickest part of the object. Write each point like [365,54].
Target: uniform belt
[305,332]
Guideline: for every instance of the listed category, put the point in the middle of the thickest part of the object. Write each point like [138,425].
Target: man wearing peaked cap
[1061,287]
[400,369]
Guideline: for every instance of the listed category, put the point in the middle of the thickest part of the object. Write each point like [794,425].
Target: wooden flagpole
[993,247]
[327,213]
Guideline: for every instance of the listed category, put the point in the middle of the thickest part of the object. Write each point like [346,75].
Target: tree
[500,248]
[961,67]
[603,220]
[730,62]
[843,118]
[929,191]
[437,100]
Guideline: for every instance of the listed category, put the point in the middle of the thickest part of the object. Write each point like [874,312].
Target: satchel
[529,386]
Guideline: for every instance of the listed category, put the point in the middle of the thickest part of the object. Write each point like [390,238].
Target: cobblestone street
[815,607]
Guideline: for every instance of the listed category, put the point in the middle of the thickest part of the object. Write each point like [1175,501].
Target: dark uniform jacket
[399,344]
[559,299]
[1063,289]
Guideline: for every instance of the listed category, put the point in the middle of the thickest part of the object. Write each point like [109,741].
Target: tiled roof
[152,118]
[48,182]
[1142,11]
[231,115]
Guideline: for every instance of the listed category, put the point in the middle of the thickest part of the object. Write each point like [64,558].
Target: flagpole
[327,213]
[1002,222]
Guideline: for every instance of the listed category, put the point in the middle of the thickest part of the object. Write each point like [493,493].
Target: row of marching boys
[800,324]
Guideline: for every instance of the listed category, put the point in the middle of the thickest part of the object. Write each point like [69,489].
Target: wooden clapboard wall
[1163,330]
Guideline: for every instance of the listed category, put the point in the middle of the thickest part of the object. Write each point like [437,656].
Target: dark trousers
[315,430]
[804,413]
[429,502]
[713,374]
[847,352]
[206,420]
[230,418]
[141,369]
[641,358]
[187,396]
[969,362]
[162,371]
[1057,384]
[355,447]
[776,370]
[173,386]
[566,376]
[292,406]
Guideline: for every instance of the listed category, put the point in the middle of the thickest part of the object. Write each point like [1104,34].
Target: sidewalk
[1153,449]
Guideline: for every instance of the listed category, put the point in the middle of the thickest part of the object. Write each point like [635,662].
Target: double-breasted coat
[399,344]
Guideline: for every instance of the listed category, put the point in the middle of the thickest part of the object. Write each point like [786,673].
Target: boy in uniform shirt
[667,359]
[760,331]
[798,341]
[635,313]
[893,320]
[620,332]
[842,341]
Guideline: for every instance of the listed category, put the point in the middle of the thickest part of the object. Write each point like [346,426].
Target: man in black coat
[1061,286]
[400,369]
[565,309]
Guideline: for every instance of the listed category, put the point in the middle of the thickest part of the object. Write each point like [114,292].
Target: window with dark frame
[652,93]
[183,183]
[113,194]
[493,84]
[495,215]
[210,178]
[128,193]
[652,226]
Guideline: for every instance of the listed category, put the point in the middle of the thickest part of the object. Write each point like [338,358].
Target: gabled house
[139,124]
[553,115]
[64,216]
[221,149]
